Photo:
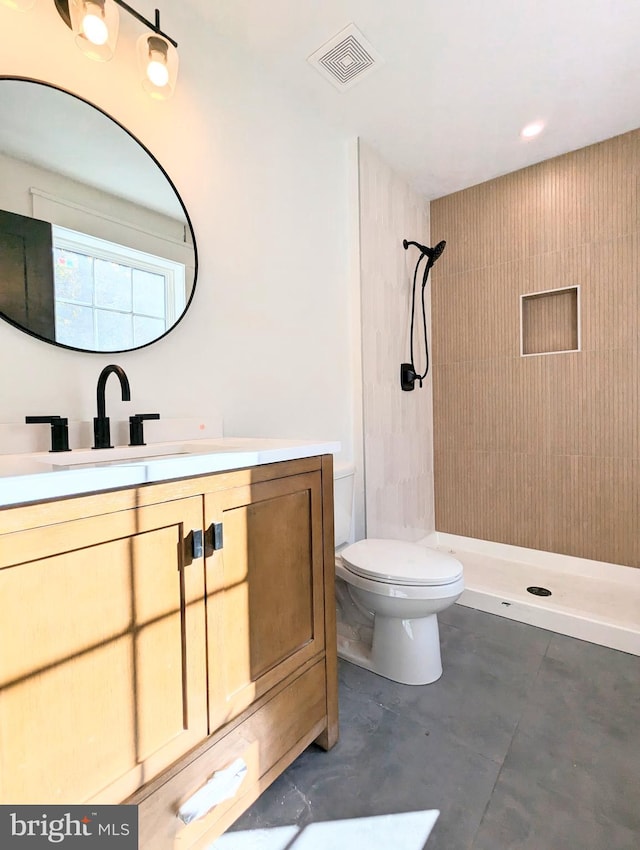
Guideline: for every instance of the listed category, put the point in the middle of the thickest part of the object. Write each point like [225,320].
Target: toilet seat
[400,562]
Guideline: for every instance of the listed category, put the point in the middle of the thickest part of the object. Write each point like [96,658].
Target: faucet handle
[136,427]
[59,430]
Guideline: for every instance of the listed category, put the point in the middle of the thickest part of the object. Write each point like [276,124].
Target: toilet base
[405,651]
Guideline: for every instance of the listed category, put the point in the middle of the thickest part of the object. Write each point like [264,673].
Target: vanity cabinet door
[265,614]
[102,653]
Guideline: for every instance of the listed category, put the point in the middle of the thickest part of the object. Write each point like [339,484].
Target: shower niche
[550,321]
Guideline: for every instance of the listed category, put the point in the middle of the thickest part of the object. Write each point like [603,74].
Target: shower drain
[539,591]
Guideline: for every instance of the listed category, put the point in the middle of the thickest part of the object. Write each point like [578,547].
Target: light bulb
[157,71]
[95,29]
[95,26]
[158,61]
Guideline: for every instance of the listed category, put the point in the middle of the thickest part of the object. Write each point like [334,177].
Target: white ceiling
[460,78]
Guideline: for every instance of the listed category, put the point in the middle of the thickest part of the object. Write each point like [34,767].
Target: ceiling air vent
[346,59]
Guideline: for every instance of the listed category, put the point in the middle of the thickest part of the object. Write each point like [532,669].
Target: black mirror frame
[20,327]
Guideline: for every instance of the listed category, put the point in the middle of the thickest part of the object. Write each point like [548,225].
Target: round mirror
[97,252]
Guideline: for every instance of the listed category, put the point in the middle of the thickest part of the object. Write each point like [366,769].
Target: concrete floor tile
[529,741]
[382,764]
[581,732]
[525,816]
[482,692]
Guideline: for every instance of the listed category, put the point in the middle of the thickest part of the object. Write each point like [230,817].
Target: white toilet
[389,593]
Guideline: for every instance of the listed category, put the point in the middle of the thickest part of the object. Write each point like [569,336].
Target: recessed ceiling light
[532,130]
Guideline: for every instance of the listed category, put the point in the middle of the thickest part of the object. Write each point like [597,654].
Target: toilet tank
[343,475]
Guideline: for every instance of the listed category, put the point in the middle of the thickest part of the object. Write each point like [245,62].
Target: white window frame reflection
[101,249]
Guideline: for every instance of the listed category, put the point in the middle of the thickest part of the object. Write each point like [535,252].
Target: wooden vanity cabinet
[267,574]
[100,616]
[152,635]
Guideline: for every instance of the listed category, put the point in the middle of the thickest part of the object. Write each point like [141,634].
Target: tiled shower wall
[398,441]
[541,451]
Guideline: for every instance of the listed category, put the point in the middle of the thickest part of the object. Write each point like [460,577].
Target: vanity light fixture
[158,59]
[95,25]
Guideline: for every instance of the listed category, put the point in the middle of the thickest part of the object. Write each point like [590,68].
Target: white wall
[267,341]
[398,425]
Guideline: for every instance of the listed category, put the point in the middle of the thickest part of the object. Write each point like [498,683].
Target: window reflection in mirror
[109,297]
[96,248]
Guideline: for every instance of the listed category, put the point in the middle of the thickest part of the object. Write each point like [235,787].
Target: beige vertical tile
[599,517]
[541,451]
[529,520]
[594,399]
[610,294]
[493,496]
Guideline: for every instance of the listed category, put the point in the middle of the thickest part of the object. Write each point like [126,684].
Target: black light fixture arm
[63,8]
[155,27]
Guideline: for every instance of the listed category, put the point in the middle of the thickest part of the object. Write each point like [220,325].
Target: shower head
[432,254]
[437,250]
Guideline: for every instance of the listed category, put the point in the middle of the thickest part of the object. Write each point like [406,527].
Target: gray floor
[530,740]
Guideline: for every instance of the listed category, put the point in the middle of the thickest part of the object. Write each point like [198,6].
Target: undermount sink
[131,454]
[120,454]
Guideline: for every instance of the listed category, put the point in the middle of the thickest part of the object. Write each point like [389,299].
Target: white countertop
[47,475]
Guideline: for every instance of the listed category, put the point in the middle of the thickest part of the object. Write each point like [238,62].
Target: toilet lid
[401,562]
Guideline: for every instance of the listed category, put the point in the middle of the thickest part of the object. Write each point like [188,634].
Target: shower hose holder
[408,377]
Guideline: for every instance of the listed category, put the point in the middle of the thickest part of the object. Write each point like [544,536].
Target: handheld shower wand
[408,374]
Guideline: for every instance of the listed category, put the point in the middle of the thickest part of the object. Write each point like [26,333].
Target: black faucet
[101,428]
[136,427]
[59,430]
